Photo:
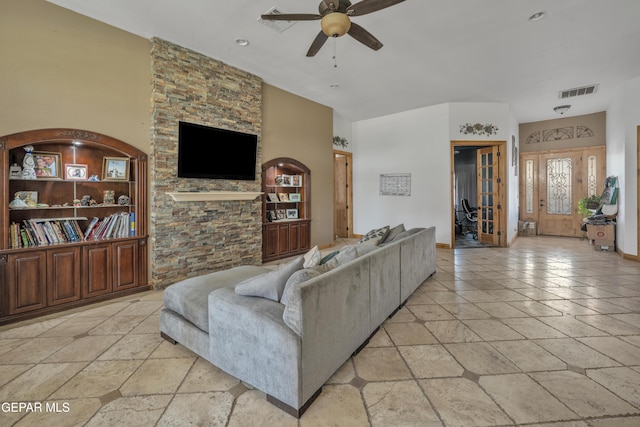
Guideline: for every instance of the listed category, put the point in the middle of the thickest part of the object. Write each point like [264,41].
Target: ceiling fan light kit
[335,16]
[335,24]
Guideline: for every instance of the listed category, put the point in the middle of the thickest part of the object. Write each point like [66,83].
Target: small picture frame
[286,180]
[296,180]
[292,213]
[47,164]
[284,197]
[272,216]
[281,214]
[294,197]
[75,171]
[115,169]
[272,197]
[29,197]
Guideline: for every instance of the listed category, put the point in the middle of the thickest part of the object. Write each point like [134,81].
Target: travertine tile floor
[546,332]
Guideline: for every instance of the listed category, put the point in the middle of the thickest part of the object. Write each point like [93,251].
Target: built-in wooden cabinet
[48,260]
[286,213]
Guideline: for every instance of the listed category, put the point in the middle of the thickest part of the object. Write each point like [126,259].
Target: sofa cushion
[393,233]
[188,298]
[297,278]
[270,285]
[312,258]
[375,236]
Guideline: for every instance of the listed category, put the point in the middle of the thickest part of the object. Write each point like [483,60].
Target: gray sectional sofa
[290,350]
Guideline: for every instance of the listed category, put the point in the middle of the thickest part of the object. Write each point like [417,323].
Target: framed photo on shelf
[73,171]
[281,214]
[294,197]
[292,213]
[278,180]
[286,180]
[47,164]
[115,169]
[29,197]
[296,180]
[284,197]
[272,197]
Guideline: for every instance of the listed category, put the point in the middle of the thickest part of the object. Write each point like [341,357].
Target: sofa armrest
[249,340]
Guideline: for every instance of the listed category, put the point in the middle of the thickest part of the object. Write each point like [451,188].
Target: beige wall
[62,69]
[295,127]
[579,131]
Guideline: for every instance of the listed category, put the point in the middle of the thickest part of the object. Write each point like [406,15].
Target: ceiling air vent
[578,91]
[278,26]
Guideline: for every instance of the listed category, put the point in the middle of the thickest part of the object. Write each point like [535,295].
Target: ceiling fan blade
[291,17]
[364,36]
[368,6]
[318,42]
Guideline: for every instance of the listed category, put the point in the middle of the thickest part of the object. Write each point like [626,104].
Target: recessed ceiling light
[536,16]
[242,42]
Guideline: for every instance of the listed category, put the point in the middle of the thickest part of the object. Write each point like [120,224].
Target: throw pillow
[393,233]
[343,256]
[375,236]
[295,279]
[312,258]
[327,257]
[270,285]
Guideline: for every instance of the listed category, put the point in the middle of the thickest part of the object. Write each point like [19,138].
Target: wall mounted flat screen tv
[213,153]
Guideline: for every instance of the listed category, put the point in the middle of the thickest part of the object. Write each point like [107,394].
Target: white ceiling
[435,51]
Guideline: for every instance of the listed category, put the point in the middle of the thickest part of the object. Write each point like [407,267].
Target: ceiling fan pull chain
[335,61]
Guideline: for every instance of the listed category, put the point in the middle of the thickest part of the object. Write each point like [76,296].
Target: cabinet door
[97,276]
[305,235]
[283,239]
[125,267]
[294,237]
[27,281]
[63,275]
[270,241]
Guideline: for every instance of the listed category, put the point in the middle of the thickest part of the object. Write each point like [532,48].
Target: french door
[488,195]
[552,182]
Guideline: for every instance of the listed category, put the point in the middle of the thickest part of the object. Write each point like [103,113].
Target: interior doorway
[483,185]
[553,181]
[342,194]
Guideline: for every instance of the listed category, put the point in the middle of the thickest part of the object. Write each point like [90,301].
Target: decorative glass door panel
[559,179]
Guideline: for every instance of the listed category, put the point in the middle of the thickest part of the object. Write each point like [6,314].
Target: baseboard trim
[443,246]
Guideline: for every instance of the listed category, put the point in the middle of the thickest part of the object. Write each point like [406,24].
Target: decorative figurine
[28,164]
[85,200]
[123,200]
[94,178]
[17,203]
[15,171]
[76,202]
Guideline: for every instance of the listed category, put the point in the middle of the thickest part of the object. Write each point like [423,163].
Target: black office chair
[471,217]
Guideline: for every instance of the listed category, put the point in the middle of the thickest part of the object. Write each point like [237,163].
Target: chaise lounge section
[289,347]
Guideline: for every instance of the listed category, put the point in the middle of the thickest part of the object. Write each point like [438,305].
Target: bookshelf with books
[286,214]
[72,231]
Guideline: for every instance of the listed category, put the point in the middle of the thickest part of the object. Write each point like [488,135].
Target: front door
[553,182]
[488,195]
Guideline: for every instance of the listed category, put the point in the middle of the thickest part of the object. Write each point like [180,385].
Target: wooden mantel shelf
[200,196]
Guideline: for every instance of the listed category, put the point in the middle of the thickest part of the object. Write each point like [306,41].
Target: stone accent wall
[193,238]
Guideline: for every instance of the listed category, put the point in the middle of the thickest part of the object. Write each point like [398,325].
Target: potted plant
[588,205]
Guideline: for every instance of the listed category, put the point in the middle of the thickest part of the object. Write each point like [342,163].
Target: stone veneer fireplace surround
[199,236]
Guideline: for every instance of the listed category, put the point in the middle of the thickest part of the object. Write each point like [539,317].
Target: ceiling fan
[335,21]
